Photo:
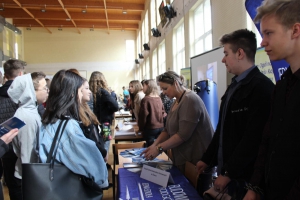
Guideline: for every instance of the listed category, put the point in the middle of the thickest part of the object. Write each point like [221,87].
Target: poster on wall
[208,65]
[280,66]
[263,63]
[186,73]
[162,14]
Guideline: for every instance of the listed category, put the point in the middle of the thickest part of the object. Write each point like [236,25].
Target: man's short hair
[36,77]
[285,11]
[243,39]
[12,68]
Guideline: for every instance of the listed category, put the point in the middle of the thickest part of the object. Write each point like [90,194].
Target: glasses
[164,76]
[44,88]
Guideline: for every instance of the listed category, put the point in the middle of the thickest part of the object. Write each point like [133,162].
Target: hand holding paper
[10,124]
[7,138]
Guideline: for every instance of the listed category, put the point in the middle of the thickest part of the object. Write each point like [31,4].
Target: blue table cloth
[182,189]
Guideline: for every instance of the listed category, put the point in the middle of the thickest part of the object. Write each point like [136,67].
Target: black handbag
[49,181]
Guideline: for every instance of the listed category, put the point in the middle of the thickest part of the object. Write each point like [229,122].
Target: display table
[123,114]
[129,135]
[128,187]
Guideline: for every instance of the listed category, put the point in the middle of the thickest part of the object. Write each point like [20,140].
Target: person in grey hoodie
[28,91]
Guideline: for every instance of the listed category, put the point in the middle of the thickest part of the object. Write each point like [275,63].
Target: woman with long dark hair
[75,151]
[89,122]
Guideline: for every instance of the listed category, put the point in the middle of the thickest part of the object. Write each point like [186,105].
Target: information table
[127,135]
[131,186]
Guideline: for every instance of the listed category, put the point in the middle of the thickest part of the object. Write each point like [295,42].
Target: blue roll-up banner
[207,90]
[278,66]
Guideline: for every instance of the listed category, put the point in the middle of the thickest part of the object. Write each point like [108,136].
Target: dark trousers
[14,184]
[151,134]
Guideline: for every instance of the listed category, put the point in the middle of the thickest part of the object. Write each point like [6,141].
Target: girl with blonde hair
[151,113]
[136,96]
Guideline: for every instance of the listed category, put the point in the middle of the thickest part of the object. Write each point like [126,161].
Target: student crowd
[256,139]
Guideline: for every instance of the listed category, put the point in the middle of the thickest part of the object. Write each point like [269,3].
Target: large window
[145,29]
[130,52]
[153,13]
[138,43]
[200,28]
[154,64]
[147,69]
[142,71]
[178,48]
[162,58]
[137,72]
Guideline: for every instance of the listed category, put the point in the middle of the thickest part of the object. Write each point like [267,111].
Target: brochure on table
[123,129]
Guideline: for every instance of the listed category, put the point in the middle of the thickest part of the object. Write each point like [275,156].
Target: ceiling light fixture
[44,9]
[2,9]
[92,29]
[60,28]
[68,20]
[124,12]
[29,28]
[84,10]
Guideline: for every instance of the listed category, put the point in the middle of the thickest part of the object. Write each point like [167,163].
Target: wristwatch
[159,148]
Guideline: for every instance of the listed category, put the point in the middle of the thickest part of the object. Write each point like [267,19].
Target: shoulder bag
[49,181]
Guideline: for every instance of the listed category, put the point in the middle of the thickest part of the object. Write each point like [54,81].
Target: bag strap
[50,155]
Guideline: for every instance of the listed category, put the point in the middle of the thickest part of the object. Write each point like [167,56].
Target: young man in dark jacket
[244,110]
[278,162]
[12,69]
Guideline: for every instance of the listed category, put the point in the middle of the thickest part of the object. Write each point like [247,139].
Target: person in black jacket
[244,110]
[104,104]
[12,69]
[4,141]
[278,162]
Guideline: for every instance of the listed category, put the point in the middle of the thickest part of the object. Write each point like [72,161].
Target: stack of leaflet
[123,130]
[122,112]
[138,160]
[131,123]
